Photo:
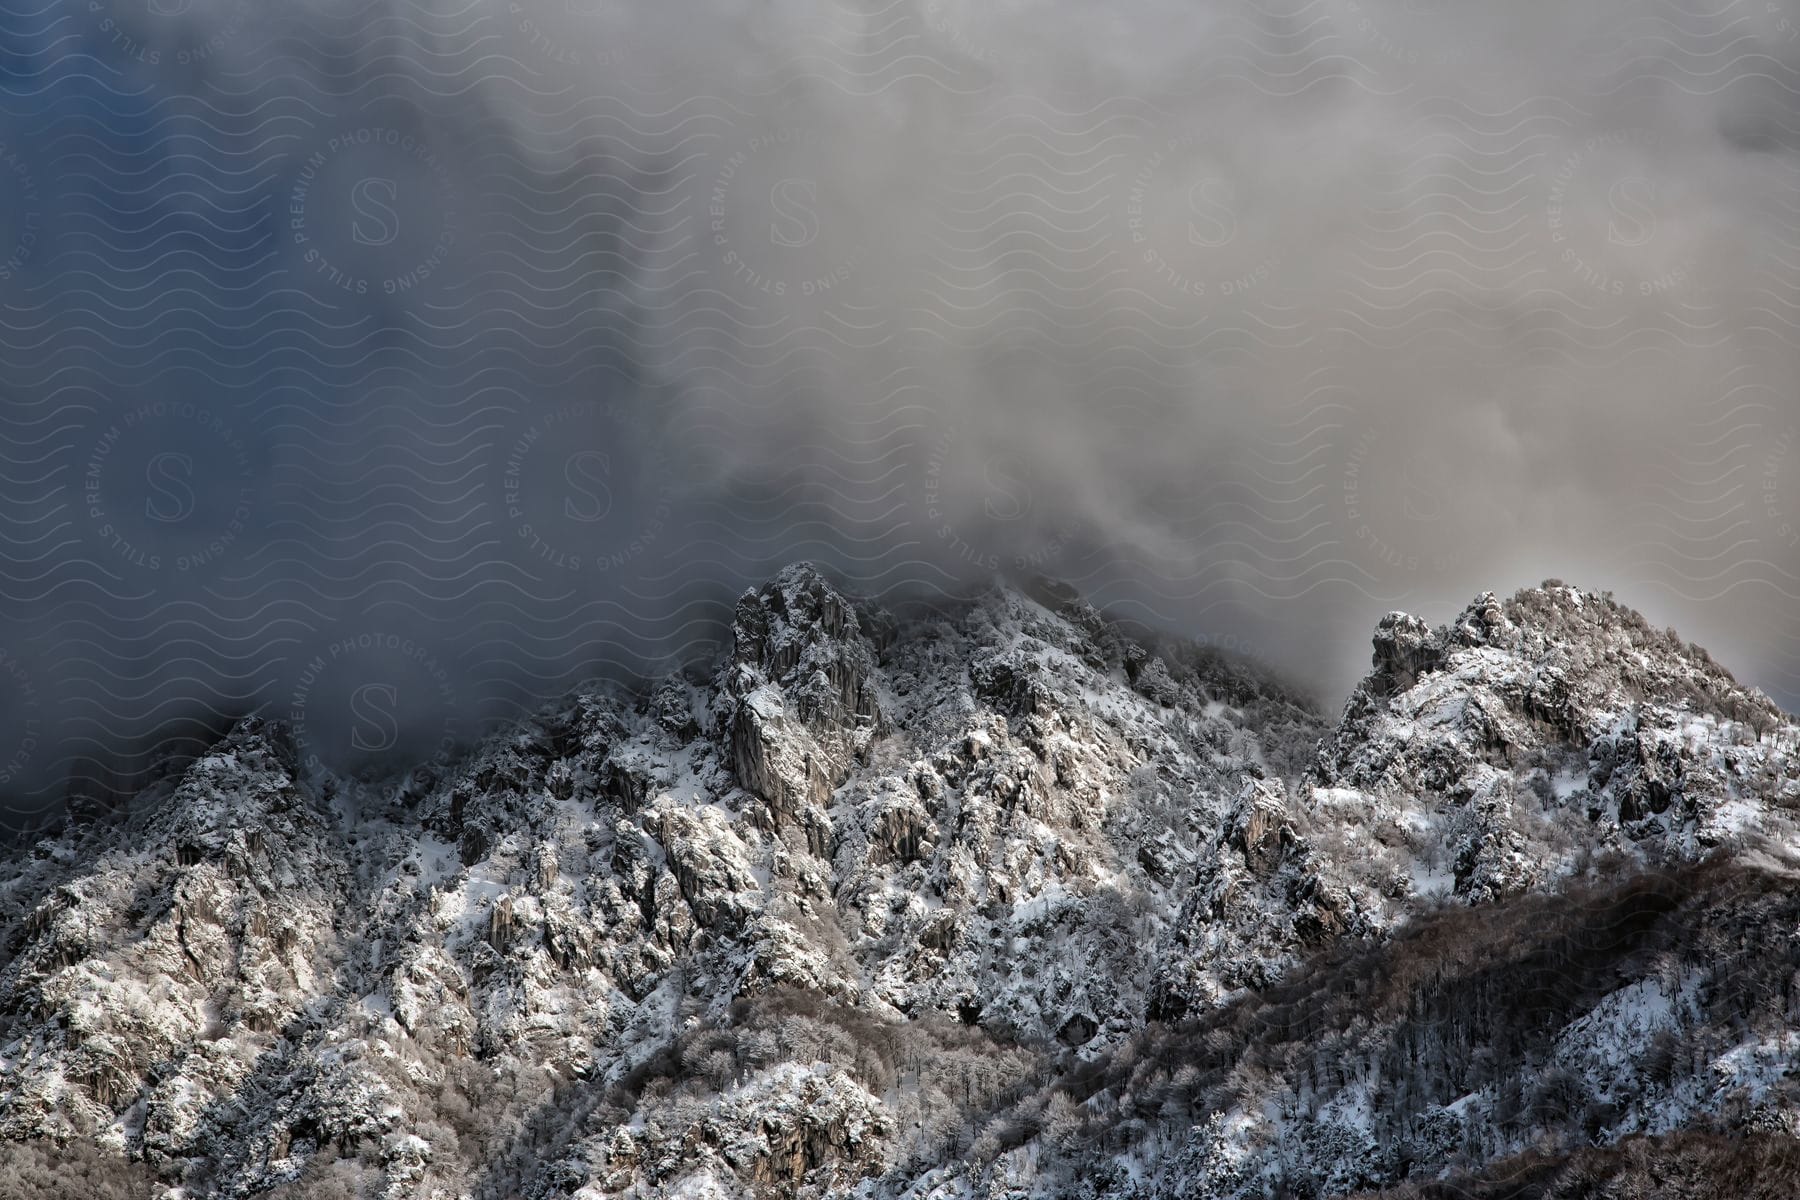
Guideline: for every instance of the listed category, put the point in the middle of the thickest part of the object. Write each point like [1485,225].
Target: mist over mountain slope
[1005,899]
[493,343]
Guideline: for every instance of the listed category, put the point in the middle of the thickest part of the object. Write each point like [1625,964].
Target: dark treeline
[1465,1000]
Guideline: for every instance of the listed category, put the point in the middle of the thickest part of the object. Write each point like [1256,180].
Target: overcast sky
[387,370]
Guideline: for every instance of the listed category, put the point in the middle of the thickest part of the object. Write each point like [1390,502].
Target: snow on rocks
[1538,730]
[1012,822]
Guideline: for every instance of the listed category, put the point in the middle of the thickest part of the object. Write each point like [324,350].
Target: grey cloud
[1252,323]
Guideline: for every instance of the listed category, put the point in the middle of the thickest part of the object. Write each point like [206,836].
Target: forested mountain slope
[1008,899]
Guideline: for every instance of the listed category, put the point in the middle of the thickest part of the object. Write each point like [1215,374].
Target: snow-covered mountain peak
[1558,723]
[1584,651]
[798,700]
[805,921]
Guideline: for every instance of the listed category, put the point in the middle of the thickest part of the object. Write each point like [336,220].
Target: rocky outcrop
[810,921]
[1527,734]
[1260,902]
[166,955]
[798,698]
[787,1129]
[1404,650]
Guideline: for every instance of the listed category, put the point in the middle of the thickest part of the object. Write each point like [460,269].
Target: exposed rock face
[1532,731]
[1404,650]
[1261,900]
[774,1134]
[799,696]
[813,924]
[151,965]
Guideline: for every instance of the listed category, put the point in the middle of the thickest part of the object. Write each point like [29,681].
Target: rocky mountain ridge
[1006,900]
